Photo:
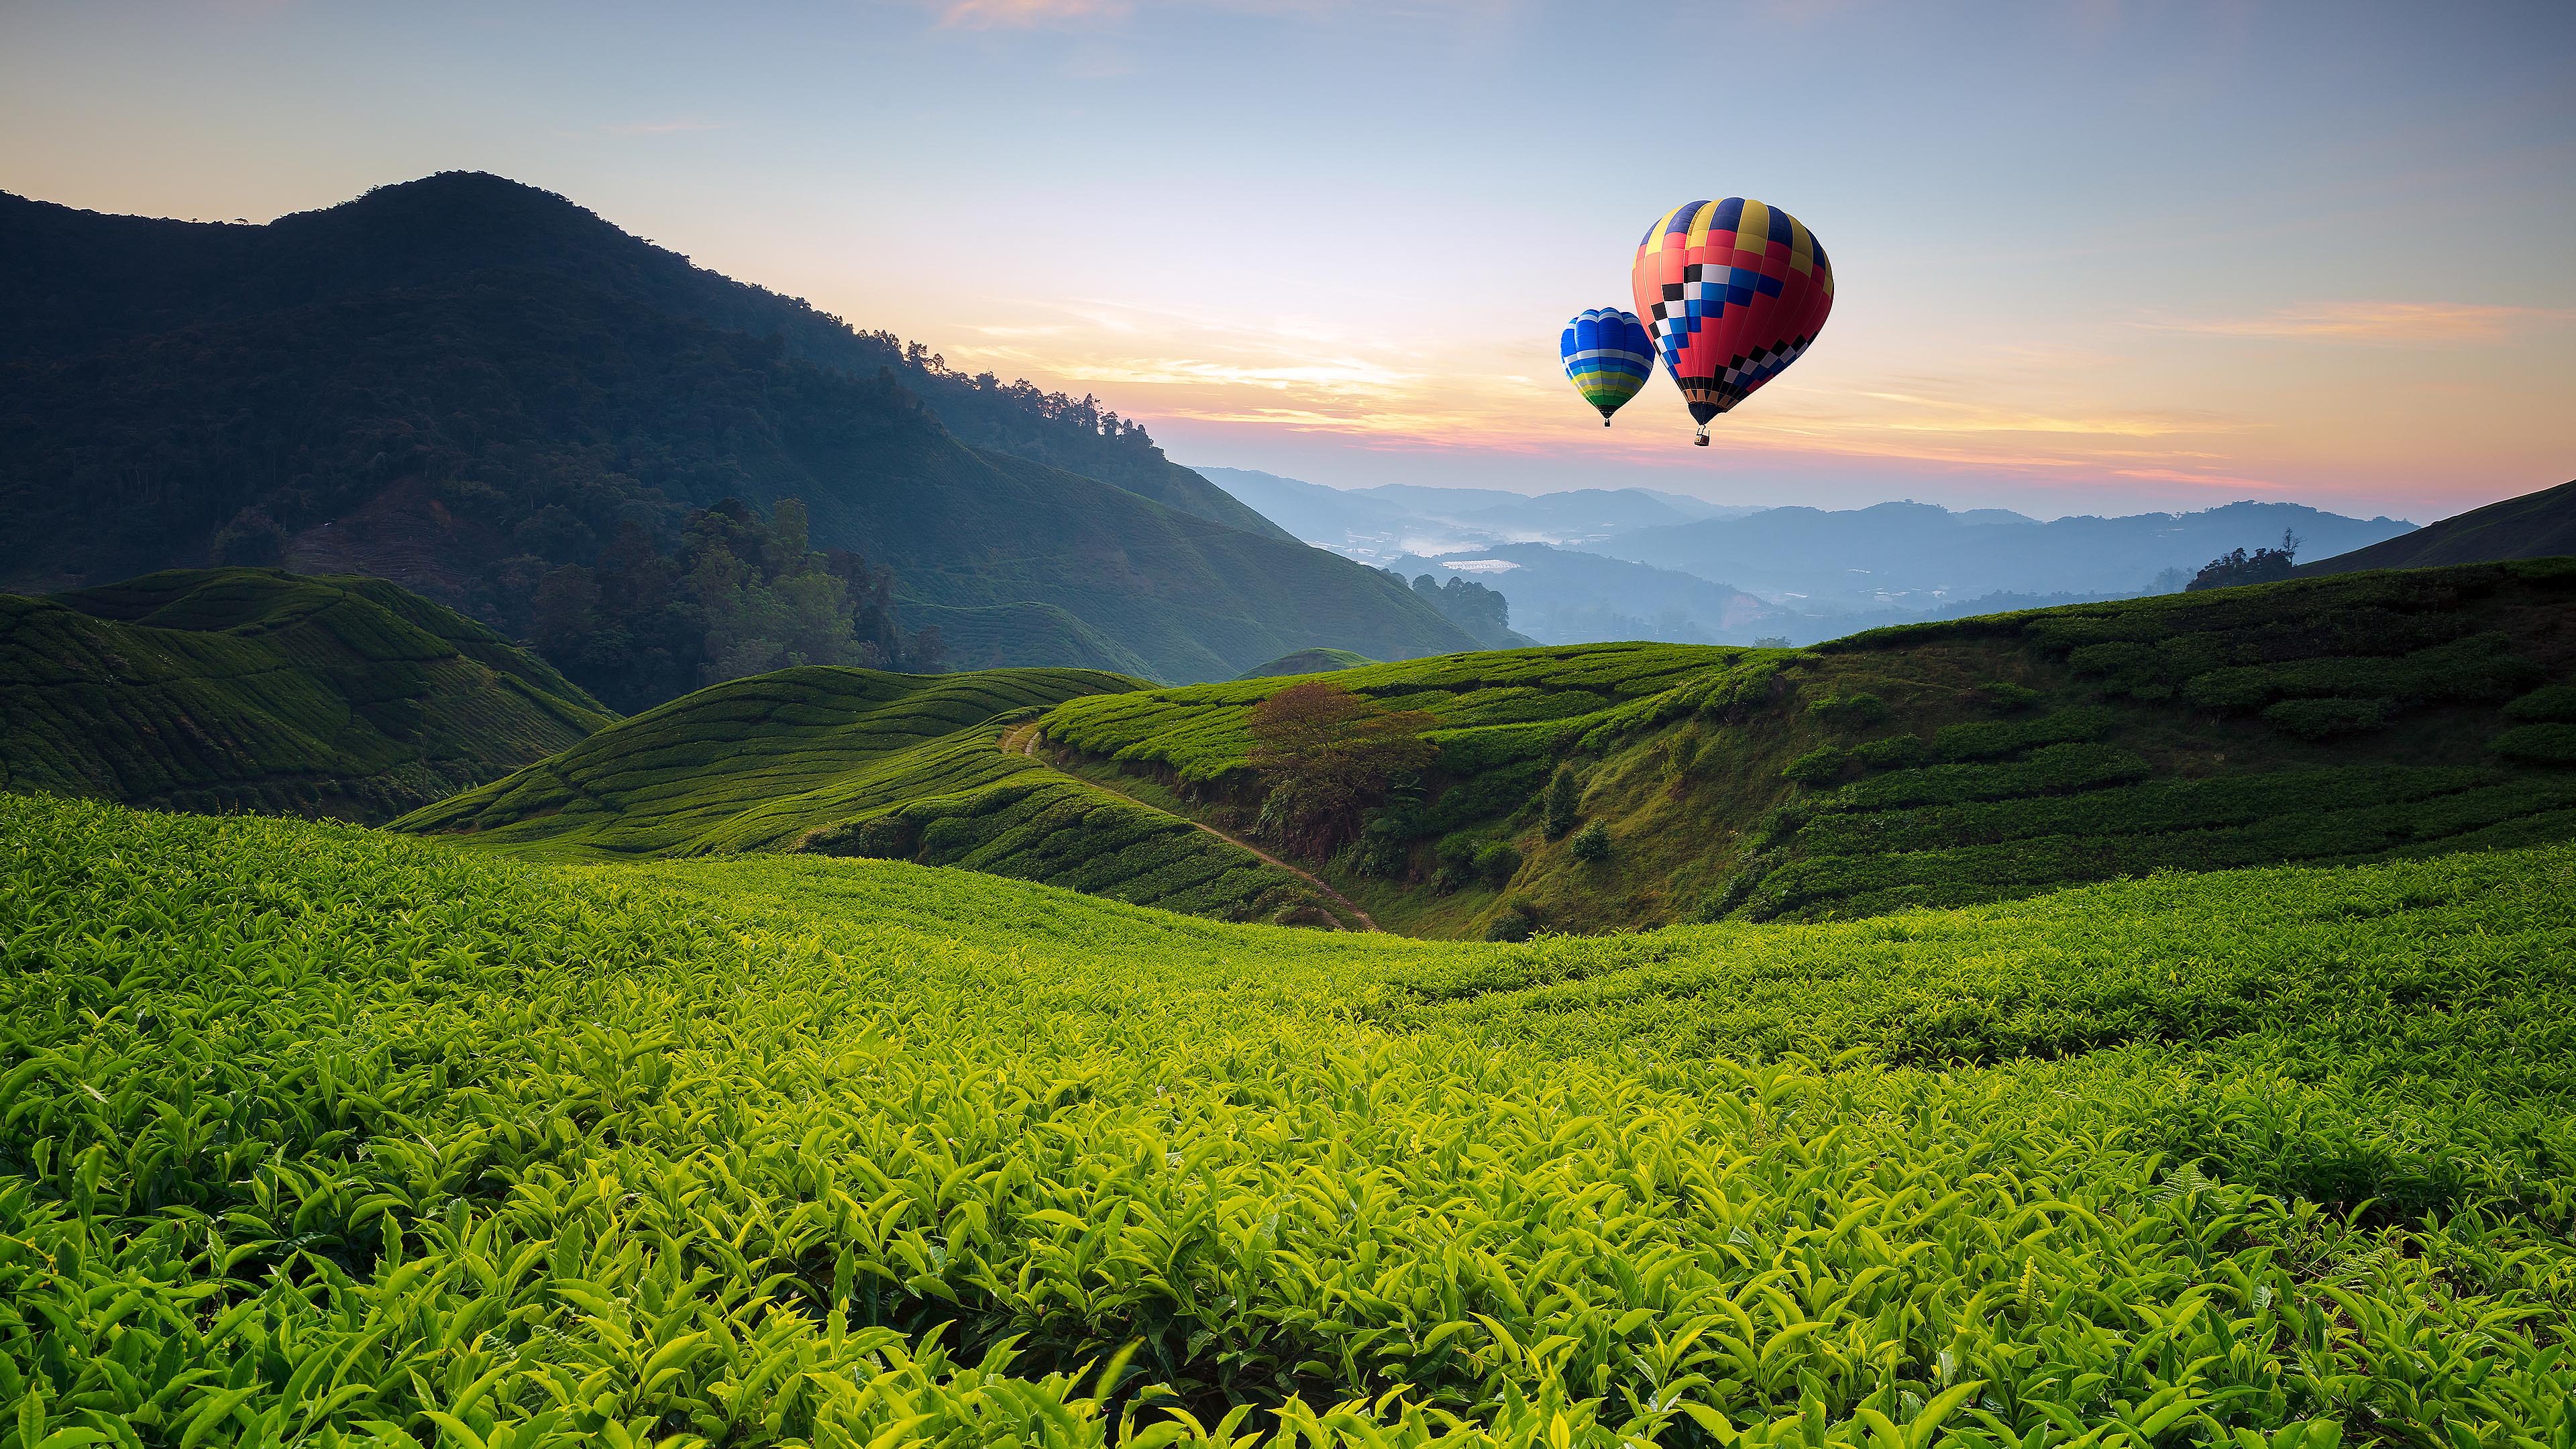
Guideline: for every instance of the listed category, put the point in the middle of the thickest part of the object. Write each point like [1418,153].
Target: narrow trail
[1023,739]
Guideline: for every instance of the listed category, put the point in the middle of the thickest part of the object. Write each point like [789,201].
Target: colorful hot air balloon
[1609,356]
[1733,291]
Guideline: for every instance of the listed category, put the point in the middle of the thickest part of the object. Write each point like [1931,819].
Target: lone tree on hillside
[1324,754]
[2262,566]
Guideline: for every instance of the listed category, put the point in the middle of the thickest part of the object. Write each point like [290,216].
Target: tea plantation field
[314,1134]
[863,762]
[254,689]
[2354,717]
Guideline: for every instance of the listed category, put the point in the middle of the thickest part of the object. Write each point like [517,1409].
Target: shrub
[1380,849]
[1592,842]
[2073,766]
[1516,921]
[2004,694]
[881,837]
[1896,752]
[2480,667]
[1563,803]
[1991,739]
[2317,719]
[1816,766]
[2538,744]
[252,539]
[2553,704]
[1849,711]
[1497,861]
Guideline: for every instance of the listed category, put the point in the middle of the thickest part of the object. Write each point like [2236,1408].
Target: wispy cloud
[1918,414]
[653,128]
[2407,322]
[1021,14]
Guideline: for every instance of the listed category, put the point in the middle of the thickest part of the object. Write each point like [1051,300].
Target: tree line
[741,595]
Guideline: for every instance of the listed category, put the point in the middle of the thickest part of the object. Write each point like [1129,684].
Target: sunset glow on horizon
[2090,257]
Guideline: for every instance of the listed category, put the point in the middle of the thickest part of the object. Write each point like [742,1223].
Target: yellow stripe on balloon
[1663,228]
[1753,233]
[1699,223]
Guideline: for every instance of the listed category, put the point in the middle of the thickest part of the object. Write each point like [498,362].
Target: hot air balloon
[1733,291]
[1608,356]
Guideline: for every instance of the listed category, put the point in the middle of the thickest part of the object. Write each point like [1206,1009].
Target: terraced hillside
[2343,718]
[858,762]
[252,689]
[321,1132]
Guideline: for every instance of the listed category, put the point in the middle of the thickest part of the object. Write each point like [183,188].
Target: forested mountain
[466,385]
[2535,525]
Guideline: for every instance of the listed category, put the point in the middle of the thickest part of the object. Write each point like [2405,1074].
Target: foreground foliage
[314,1135]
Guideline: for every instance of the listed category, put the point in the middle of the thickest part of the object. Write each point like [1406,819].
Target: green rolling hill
[2345,718]
[2340,719]
[858,762]
[2535,525]
[1308,661]
[253,689]
[468,386]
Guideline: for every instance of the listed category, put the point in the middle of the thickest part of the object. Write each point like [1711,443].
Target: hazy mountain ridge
[1735,574]
[1905,554]
[1394,520]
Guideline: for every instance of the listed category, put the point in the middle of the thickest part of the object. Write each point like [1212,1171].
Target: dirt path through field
[1023,740]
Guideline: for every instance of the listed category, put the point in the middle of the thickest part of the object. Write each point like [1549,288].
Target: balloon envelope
[1733,292]
[1608,356]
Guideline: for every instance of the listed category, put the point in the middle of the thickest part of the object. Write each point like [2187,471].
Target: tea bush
[312,1134]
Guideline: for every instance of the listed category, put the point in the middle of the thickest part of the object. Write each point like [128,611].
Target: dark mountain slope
[253,689]
[462,442]
[2535,525]
[88,279]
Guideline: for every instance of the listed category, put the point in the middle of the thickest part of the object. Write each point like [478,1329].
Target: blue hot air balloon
[1608,355]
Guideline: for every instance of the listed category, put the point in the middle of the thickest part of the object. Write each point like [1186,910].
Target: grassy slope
[2148,734]
[1308,661]
[351,1123]
[860,762]
[2534,525]
[249,689]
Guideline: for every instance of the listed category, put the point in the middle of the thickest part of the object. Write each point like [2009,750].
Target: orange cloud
[2409,322]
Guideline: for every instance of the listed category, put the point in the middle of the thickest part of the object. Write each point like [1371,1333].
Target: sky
[2090,257]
